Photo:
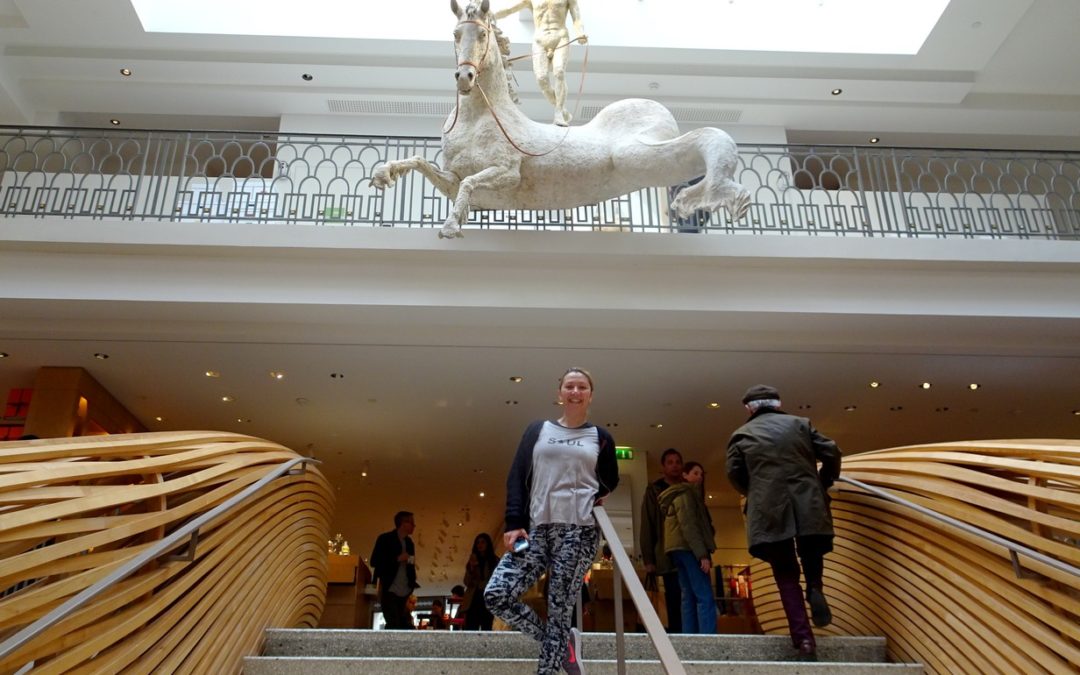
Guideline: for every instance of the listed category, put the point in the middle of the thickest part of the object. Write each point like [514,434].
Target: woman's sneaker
[571,664]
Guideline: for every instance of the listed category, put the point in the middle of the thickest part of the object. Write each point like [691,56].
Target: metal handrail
[669,660]
[1015,549]
[158,549]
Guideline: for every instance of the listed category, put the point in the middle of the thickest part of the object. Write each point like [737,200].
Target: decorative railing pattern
[944,597]
[74,510]
[241,177]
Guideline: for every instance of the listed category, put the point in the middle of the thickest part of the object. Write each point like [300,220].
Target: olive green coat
[772,459]
[687,526]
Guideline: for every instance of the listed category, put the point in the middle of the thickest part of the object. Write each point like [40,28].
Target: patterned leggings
[565,551]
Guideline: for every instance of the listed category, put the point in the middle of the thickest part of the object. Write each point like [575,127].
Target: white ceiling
[423,400]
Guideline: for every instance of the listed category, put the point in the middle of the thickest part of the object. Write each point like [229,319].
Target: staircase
[333,652]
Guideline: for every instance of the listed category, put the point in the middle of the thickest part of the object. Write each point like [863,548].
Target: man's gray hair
[762,403]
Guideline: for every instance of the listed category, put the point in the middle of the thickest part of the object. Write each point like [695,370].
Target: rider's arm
[524,4]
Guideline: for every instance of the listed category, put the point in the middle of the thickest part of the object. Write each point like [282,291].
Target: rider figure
[550,49]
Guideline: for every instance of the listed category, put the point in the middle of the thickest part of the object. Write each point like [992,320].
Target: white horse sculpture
[497,158]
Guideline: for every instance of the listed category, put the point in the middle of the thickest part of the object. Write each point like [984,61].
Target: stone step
[512,645]
[330,665]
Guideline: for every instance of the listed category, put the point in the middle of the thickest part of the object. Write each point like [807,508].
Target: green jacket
[651,539]
[687,526]
[772,459]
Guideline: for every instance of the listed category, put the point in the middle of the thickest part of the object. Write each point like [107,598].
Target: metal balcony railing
[324,179]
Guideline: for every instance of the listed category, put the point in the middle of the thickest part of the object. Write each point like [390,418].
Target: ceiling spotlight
[974,385]
[849,408]
[337,376]
[1076,412]
[925,385]
[481,494]
[115,122]
[516,378]
[4,355]
[227,399]
[714,404]
[213,373]
[243,420]
[710,496]
[101,356]
[126,72]
[277,374]
[307,77]
[159,418]
[875,384]
[658,425]
[875,139]
[837,91]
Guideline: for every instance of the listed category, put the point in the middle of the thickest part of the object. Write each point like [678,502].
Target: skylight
[821,26]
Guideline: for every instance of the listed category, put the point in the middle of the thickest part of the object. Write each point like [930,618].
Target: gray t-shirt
[564,483]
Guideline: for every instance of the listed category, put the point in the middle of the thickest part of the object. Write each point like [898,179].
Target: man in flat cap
[772,460]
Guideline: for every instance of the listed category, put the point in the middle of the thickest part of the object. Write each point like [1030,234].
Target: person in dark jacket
[393,563]
[562,469]
[478,569]
[689,540]
[772,460]
[651,537]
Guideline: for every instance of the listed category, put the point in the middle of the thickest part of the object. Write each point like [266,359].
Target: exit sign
[624,452]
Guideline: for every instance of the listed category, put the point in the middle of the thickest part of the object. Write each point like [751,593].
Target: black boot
[819,608]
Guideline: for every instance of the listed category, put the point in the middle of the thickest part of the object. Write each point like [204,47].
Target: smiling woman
[561,470]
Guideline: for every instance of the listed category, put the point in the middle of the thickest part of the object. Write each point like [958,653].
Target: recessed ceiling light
[213,373]
[101,356]
[849,408]
[974,385]
[227,399]
[837,91]
[875,139]
[126,72]
[307,77]
[159,418]
[482,494]
[805,406]
[511,403]
[516,378]
[943,409]
[875,384]
[714,404]
[896,408]
[1077,413]
[612,424]
[4,355]
[710,496]
[658,425]
[243,420]
[115,122]
[337,376]
[925,385]
[277,374]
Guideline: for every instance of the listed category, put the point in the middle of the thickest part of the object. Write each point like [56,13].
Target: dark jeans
[477,617]
[784,557]
[673,600]
[393,609]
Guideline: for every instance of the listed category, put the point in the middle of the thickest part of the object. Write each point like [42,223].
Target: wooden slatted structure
[72,510]
[942,597]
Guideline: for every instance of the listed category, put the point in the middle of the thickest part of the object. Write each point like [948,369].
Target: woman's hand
[513,535]
[706,565]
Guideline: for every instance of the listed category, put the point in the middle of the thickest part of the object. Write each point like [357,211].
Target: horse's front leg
[386,175]
[491,178]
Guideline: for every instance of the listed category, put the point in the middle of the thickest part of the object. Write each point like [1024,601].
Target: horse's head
[472,42]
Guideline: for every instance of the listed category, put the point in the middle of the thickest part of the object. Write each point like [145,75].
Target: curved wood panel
[72,510]
[942,597]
